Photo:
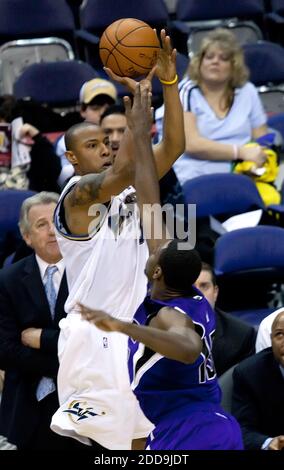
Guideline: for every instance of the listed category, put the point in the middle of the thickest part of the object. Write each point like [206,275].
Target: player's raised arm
[172,144]
[173,141]
[139,121]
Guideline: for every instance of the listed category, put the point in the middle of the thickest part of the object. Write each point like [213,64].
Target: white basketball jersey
[105,271]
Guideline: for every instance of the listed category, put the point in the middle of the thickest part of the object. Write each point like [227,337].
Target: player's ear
[71,157]
[157,274]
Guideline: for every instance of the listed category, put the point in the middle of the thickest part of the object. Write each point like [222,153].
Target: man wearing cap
[95,97]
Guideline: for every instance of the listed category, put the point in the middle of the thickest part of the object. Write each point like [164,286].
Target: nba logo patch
[105,342]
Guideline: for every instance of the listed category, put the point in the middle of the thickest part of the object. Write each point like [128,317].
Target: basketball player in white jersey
[100,239]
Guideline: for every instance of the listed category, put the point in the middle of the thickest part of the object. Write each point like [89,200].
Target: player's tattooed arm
[87,190]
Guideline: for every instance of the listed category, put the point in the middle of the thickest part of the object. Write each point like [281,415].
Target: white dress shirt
[57,277]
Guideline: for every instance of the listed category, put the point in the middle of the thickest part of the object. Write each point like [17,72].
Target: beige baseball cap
[95,87]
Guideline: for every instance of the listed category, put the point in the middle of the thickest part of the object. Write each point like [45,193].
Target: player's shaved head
[71,135]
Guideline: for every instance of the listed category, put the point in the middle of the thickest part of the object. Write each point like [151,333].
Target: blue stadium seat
[191,14]
[54,83]
[75,7]
[265,61]
[222,193]
[96,15]
[10,204]
[191,10]
[33,19]
[249,266]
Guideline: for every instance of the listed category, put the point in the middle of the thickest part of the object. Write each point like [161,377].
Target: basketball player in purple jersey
[170,340]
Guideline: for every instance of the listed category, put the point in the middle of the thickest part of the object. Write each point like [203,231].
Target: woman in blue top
[222,110]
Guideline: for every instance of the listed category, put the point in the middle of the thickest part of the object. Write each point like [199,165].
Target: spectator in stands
[258,394]
[31,306]
[45,166]
[113,123]
[95,97]
[223,111]
[234,339]
[43,170]
[263,339]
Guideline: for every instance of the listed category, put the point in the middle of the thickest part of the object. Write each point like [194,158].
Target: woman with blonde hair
[222,110]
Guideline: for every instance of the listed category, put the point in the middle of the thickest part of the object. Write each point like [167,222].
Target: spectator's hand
[31,337]
[27,132]
[130,83]
[253,153]
[166,64]
[277,443]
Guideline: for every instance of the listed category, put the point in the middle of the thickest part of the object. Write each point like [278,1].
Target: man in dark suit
[234,339]
[31,306]
[258,394]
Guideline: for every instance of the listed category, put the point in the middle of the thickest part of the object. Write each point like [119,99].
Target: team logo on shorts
[78,410]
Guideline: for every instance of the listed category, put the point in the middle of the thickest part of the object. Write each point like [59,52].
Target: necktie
[50,289]
[46,384]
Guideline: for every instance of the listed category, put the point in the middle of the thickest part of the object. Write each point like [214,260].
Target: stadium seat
[31,32]
[268,58]
[10,204]
[16,56]
[96,15]
[192,15]
[221,194]
[249,266]
[265,61]
[54,83]
[35,19]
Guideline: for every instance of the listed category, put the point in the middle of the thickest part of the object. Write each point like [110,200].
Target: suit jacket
[234,341]
[258,398]
[23,304]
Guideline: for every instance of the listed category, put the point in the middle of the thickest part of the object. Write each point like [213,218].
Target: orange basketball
[129,47]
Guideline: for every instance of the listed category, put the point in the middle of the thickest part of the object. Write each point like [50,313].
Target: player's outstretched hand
[99,318]
[130,83]
[140,115]
[166,64]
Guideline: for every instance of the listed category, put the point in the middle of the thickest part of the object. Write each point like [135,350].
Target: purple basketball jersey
[182,400]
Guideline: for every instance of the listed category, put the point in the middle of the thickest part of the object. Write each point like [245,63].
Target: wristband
[172,82]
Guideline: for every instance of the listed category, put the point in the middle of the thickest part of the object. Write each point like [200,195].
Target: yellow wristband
[169,83]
